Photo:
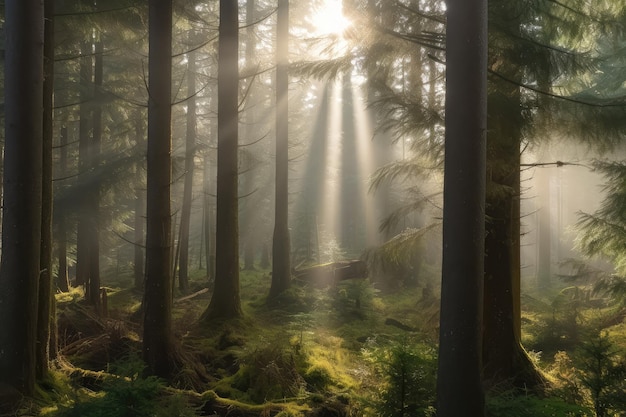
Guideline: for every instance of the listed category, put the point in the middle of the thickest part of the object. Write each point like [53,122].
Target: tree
[157,302]
[190,154]
[459,376]
[45,318]
[225,301]
[95,185]
[281,247]
[84,132]
[21,221]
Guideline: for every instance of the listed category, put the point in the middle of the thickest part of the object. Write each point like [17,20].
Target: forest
[322,208]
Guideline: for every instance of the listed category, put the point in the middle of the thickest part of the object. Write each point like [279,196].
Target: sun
[328,19]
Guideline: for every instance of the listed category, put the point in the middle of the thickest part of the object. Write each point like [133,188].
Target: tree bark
[459,377]
[21,222]
[281,245]
[61,235]
[247,221]
[45,321]
[84,130]
[140,207]
[225,301]
[157,302]
[505,360]
[94,188]
[209,230]
[190,154]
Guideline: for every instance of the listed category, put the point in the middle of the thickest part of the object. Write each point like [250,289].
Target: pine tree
[459,376]
[21,220]
[225,301]
[157,302]
[281,247]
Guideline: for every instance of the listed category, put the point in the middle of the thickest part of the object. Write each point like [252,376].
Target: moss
[318,377]
[519,405]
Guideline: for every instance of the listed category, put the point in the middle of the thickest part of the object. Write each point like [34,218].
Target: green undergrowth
[349,349]
[517,404]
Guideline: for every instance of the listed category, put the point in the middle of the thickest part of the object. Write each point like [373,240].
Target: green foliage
[510,404]
[604,232]
[129,395]
[409,370]
[352,296]
[403,257]
[318,377]
[560,328]
[594,376]
[602,372]
[269,372]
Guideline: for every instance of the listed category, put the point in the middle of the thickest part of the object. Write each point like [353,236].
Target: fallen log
[190,296]
[331,273]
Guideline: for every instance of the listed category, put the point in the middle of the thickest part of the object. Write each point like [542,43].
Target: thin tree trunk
[45,321]
[84,129]
[459,377]
[209,235]
[21,221]
[247,226]
[190,154]
[544,226]
[281,247]
[157,302]
[94,189]
[61,238]
[225,302]
[140,207]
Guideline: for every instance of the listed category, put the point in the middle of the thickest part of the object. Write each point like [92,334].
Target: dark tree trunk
[157,339]
[459,377]
[225,302]
[505,360]
[281,246]
[45,321]
[21,221]
[61,235]
[190,154]
[84,130]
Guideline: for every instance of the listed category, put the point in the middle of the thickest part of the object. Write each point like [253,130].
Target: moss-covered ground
[312,352]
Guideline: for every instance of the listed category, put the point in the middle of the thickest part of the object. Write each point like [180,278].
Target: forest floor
[342,350]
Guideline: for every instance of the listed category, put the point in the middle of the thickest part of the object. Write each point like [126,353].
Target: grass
[311,344]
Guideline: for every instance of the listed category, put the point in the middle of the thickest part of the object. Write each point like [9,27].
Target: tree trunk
[190,154]
[157,302]
[504,358]
[84,129]
[140,207]
[94,189]
[46,295]
[61,235]
[281,246]
[225,302]
[459,378]
[21,222]
[209,235]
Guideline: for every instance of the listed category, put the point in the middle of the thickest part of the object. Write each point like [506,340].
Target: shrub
[602,372]
[268,373]
[129,395]
[409,371]
[510,404]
